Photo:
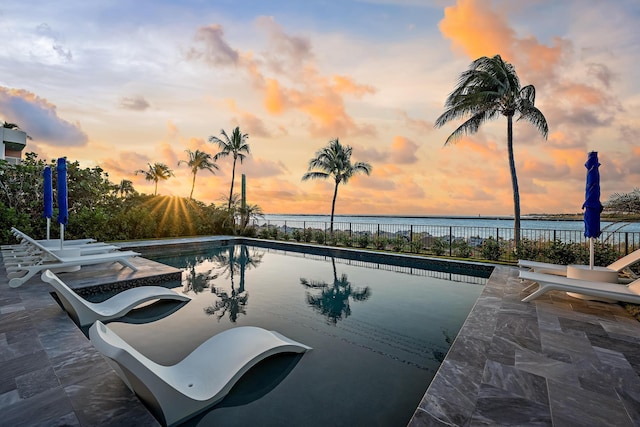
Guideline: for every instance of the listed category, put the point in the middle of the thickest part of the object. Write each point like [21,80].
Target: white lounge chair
[203,378]
[551,282]
[561,270]
[85,313]
[61,260]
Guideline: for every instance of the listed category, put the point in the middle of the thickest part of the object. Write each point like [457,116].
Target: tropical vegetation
[235,146]
[334,161]
[155,173]
[99,208]
[488,89]
[198,160]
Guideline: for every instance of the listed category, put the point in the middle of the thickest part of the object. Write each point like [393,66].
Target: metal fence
[469,242]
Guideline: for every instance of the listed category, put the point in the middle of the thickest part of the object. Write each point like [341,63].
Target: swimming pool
[378,332]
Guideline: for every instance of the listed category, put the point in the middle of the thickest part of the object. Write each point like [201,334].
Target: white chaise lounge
[54,260]
[85,313]
[561,270]
[176,393]
[552,282]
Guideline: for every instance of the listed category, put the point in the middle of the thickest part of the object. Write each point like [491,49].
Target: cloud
[136,103]
[39,118]
[262,168]
[403,151]
[420,126]
[295,83]
[212,48]
[285,53]
[476,29]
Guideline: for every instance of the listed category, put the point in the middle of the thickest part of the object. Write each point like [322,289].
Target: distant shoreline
[528,217]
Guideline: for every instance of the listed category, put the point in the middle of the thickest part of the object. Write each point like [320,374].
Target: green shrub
[528,249]
[415,246]
[320,237]
[364,240]
[333,238]
[491,249]
[397,243]
[286,237]
[462,249]
[559,252]
[265,233]
[297,235]
[439,246]
[307,235]
[346,240]
[250,231]
[380,242]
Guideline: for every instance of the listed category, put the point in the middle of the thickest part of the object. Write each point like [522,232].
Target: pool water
[378,335]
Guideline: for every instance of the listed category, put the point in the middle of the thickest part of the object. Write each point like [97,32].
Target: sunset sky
[120,84]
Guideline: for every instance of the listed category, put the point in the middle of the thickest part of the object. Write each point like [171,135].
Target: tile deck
[557,361]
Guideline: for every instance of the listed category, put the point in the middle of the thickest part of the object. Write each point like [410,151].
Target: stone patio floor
[558,361]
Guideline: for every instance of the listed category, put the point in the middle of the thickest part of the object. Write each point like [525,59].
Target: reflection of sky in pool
[378,336]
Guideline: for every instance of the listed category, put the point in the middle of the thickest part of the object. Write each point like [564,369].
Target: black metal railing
[468,242]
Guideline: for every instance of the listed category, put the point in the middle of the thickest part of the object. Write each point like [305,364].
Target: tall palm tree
[488,89]
[334,160]
[237,146]
[198,160]
[156,172]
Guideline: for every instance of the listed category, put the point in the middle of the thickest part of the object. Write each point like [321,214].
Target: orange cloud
[317,96]
[476,29]
[403,151]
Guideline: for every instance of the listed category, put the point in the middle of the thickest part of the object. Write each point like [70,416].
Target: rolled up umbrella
[592,206]
[63,207]
[48,198]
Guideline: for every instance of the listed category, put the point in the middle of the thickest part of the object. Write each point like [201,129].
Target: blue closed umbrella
[592,206]
[63,207]
[48,198]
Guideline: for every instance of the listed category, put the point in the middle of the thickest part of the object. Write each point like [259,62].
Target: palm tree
[124,188]
[198,160]
[156,172]
[334,160]
[236,146]
[489,88]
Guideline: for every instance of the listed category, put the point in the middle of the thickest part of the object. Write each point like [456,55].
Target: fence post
[378,231]
[626,243]
[349,230]
[497,234]
[285,227]
[410,235]
[450,241]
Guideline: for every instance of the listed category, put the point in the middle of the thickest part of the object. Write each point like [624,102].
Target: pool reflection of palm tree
[197,282]
[333,299]
[237,260]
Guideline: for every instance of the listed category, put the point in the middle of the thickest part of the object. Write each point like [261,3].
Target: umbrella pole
[61,236]
[48,228]
[591,255]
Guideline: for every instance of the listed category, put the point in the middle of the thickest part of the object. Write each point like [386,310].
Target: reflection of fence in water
[623,241]
[414,271]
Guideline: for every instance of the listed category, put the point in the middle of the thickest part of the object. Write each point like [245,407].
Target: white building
[13,142]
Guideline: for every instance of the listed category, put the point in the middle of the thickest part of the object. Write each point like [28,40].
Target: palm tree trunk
[155,192]
[333,204]
[233,177]
[514,183]
[193,184]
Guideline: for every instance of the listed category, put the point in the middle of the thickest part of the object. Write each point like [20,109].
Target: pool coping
[505,356]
